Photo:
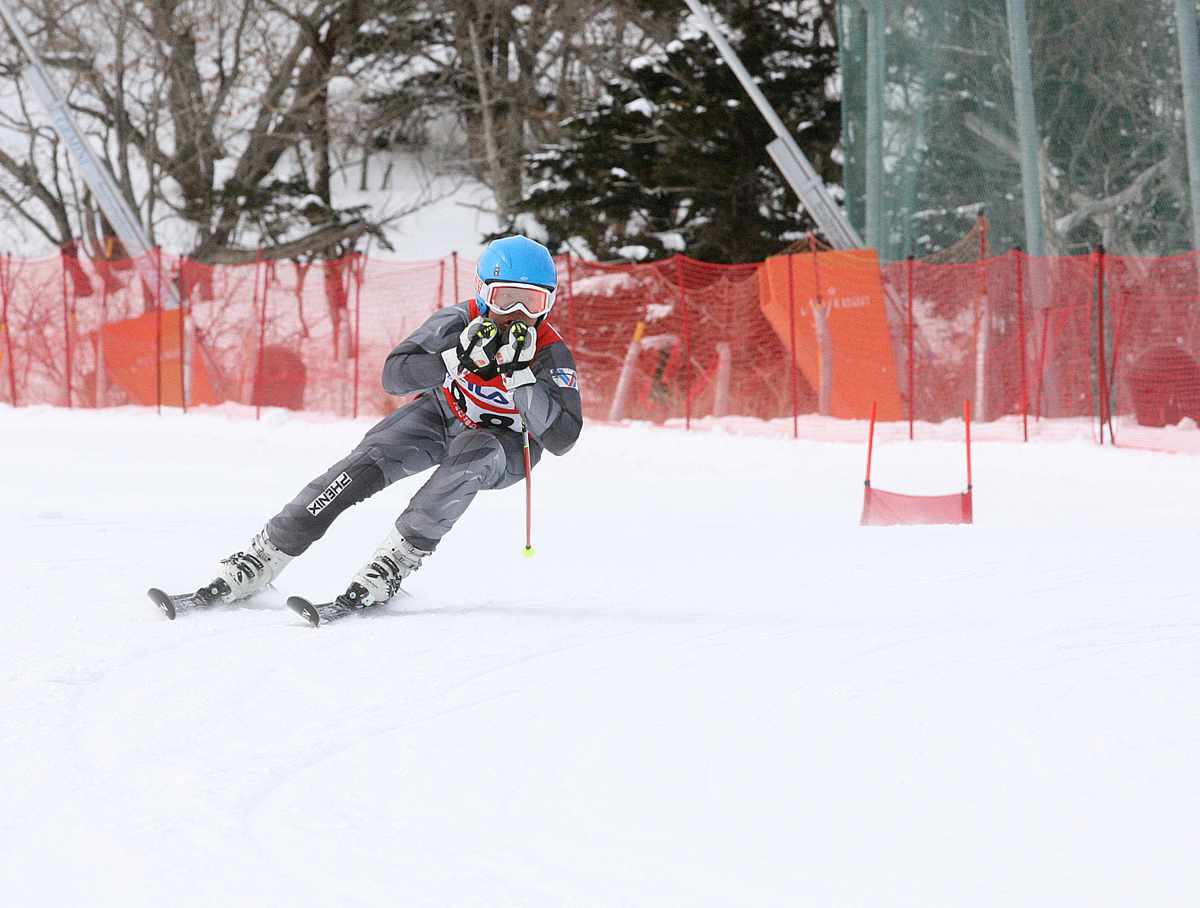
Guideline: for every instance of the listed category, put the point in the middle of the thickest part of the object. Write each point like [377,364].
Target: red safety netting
[1089,336]
[1093,336]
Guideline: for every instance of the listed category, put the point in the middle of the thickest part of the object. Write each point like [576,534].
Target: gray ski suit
[468,429]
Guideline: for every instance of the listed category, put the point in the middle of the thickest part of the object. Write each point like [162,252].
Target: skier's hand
[475,350]
[518,343]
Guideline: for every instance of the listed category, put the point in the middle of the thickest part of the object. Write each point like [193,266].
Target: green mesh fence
[1108,116]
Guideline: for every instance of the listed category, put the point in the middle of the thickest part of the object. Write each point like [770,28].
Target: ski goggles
[502,297]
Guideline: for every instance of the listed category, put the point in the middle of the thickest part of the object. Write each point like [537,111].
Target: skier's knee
[479,452]
[305,520]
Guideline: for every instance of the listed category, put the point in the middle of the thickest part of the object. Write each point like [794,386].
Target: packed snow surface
[710,687]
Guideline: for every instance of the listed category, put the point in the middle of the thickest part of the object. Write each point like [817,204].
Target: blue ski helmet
[516,260]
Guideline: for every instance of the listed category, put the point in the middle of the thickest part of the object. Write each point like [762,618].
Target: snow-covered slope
[710,687]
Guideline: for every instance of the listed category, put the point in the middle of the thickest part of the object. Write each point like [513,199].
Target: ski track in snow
[710,687]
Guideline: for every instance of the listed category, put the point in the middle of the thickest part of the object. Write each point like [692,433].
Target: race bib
[481,404]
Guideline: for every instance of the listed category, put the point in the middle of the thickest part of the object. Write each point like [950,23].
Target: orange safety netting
[1088,336]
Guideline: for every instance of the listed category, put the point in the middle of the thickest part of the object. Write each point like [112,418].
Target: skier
[486,369]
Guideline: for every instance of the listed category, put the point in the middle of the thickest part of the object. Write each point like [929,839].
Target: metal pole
[873,153]
[1027,133]
[528,550]
[1189,72]
[784,151]
[94,173]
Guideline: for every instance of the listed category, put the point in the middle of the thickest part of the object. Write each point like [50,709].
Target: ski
[322,613]
[187,602]
[317,614]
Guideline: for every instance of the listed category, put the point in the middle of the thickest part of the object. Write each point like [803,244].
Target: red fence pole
[1101,353]
[183,377]
[791,349]
[571,303]
[1118,334]
[454,269]
[5,290]
[158,351]
[262,334]
[687,345]
[1021,335]
[359,273]
[66,325]
[182,318]
[911,381]
[1042,362]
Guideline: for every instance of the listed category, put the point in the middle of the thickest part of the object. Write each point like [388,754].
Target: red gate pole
[870,445]
[1021,335]
[911,382]
[967,422]
[454,268]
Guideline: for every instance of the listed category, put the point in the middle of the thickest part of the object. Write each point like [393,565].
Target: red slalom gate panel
[882,509]
[885,509]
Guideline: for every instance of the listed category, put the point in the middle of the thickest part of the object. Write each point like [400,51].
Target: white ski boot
[244,573]
[379,580]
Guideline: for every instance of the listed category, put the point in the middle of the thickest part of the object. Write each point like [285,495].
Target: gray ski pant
[423,433]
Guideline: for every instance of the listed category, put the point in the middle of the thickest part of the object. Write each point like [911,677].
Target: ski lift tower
[795,167]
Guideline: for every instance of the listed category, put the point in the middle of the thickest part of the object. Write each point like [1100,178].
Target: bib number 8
[495,420]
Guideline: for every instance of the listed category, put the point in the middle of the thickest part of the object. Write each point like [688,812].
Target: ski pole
[528,498]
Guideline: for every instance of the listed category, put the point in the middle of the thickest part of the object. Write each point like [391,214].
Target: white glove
[475,350]
[518,344]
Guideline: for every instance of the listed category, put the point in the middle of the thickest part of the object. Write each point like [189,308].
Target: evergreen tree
[672,157]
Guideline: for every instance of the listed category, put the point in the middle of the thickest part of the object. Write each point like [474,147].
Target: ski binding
[322,613]
[171,606]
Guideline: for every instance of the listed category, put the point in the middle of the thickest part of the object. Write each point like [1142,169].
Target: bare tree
[224,121]
[511,71]
[213,115]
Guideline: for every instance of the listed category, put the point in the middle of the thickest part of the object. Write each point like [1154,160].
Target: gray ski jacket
[550,407]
